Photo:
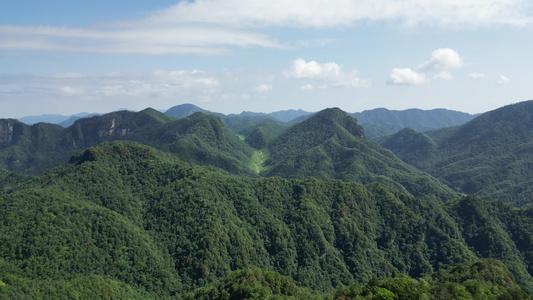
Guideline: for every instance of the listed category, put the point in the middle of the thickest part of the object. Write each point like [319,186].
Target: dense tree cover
[30,149]
[490,156]
[258,129]
[481,279]
[331,145]
[263,133]
[382,122]
[199,138]
[131,219]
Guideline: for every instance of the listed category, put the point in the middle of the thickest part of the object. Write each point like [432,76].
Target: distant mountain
[185,110]
[289,115]
[68,122]
[332,145]
[381,121]
[198,138]
[490,156]
[52,118]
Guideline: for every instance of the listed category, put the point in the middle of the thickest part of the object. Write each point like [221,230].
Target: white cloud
[442,59]
[164,39]
[70,91]
[331,72]
[503,80]
[307,87]
[324,13]
[313,70]
[405,76]
[186,79]
[444,75]
[215,27]
[264,88]
[477,75]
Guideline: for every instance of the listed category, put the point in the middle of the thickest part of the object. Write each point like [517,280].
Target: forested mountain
[185,110]
[198,138]
[332,145]
[382,122]
[490,156]
[124,218]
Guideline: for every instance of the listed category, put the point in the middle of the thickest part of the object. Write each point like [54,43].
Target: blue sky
[231,56]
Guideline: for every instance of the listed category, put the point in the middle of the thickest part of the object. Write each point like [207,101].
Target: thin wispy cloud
[262,88]
[216,27]
[323,13]
[477,75]
[503,80]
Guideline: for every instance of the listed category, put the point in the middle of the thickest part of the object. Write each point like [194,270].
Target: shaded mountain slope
[331,145]
[490,156]
[382,122]
[31,149]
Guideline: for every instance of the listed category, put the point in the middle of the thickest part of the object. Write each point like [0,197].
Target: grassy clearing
[258,159]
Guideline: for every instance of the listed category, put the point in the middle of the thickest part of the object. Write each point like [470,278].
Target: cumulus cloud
[307,87]
[405,76]
[442,59]
[313,70]
[477,75]
[330,72]
[503,80]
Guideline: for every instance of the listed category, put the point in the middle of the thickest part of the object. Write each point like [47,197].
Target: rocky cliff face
[6,132]
[113,131]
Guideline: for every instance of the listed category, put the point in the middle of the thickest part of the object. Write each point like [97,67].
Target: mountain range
[377,122]
[491,156]
[198,205]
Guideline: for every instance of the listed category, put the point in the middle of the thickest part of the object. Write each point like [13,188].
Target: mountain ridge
[163,227]
[489,156]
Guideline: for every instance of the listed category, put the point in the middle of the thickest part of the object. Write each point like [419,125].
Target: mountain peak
[117,150]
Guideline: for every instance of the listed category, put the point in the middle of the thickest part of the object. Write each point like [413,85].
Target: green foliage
[199,138]
[490,156]
[482,279]
[250,283]
[494,229]
[331,145]
[139,221]
[146,219]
